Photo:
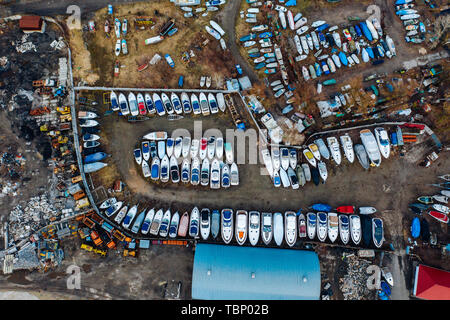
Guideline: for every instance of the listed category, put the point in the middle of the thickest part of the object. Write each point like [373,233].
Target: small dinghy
[253,227]
[215,223]
[322,226]
[205,223]
[147,221]
[441,208]
[241,226]
[346,209]
[333,226]
[322,171]
[266,227]
[367,210]
[344,228]
[355,229]
[193,223]
[278,230]
[184,225]
[306,171]
[311,223]
[439,216]
[301,226]
[98,156]
[227,225]
[173,227]
[377,232]
[309,157]
[290,231]
[165,222]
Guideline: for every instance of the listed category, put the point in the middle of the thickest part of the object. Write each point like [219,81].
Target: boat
[203,148]
[111,210]
[219,148]
[372,29]
[158,105]
[194,223]
[440,198]
[333,226]
[161,149]
[445,193]
[445,177]
[185,146]
[234,174]
[383,141]
[170,146]
[117,47]
[291,22]
[322,170]
[156,222]
[300,175]
[370,143]
[344,228]
[322,226]
[215,223]
[311,223]
[247,44]
[387,275]
[276,179]
[194,147]
[86,115]
[367,210]
[195,171]
[293,158]
[227,225]
[173,226]
[123,104]
[129,217]
[165,222]
[204,173]
[164,173]
[293,179]
[217,27]
[377,232]
[185,102]
[302,226]
[355,229]
[118,219]
[155,168]
[147,221]
[211,148]
[346,209]
[315,150]
[184,225]
[253,227]
[306,171]
[284,158]
[94,157]
[107,203]
[347,145]
[185,171]
[439,216]
[213,32]
[284,178]
[310,157]
[195,104]
[229,152]
[361,154]
[93,166]
[300,23]
[204,104]
[176,103]
[156,135]
[441,208]
[290,231]
[167,104]
[248,37]
[132,102]
[278,229]
[315,175]
[282,17]
[226,182]
[90,144]
[117,27]
[145,169]
[174,170]
[215,175]
[213,103]
[205,223]
[259,28]
[88,123]
[266,227]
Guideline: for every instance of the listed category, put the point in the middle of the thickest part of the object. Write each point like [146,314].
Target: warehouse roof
[237,273]
[431,283]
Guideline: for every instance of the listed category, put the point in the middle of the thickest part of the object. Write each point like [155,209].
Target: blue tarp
[415,228]
[321,207]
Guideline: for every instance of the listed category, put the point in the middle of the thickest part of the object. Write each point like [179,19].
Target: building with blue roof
[251,273]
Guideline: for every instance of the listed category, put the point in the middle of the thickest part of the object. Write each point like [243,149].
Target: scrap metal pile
[354,284]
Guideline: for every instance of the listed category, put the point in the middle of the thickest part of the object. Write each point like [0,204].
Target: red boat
[439,216]
[413,125]
[116,68]
[346,209]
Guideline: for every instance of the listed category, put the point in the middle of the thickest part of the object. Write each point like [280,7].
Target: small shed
[30,24]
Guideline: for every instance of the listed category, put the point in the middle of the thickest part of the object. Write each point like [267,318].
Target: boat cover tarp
[415,228]
[321,207]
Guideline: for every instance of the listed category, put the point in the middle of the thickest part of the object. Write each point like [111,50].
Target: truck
[96,238]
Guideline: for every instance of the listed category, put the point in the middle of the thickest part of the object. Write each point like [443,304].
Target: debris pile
[354,284]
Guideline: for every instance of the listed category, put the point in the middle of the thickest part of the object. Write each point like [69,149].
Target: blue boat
[98,156]
[322,27]
[270,60]
[260,65]
[318,69]
[149,104]
[415,228]
[321,207]
[265,35]
[158,104]
[137,223]
[366,31]
[145,148]
[385,287]
[370,52]
[155,170]
[172,31]
[291,3]
[248,37]
[358,30]
[287,109]
[254,55]
[269,55]
[343,58]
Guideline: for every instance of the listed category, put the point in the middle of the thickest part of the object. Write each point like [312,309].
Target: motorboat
[176,103]
[161,149]
[253,227]
[145,169]
[132,102]
[119,217]
[165,222]
[219,148]
[156,135]
[361,154]
[322,226]
[185,171]
[322,171]
[194,147]
[355,228]
[156,222]
[215,223]
[323,150]
[185,102]
[204,173]
[227,225]
[344,228]
[226,179]
[278,229]
[221,101]
[167,104]
[211,148]
[147,221]
[266,227]
[204,105]
[310,157]
[114,101]
[276,159]
[234,174]
[315,150]
[377,232]
[300,175]
[333,226]
[141,104]
[137,156]
[370,144]
[195,104]
[302,226]
[146,150]
[113,208]
[333,144]
[155,168]
[177,148]
[229,155]
[215,174]
[184,225]
[173,227]
[123,104]
[213,103]
[174,170]
[347,146]
[367,210]
[383,141]
[203,148]
[185,146]
[195,171]
[267,161]
[311,224]
[290,231]
[149,103]
[284,158]
[164,173]
[205,223]
[194,223]
[241,226]
[306,171]
[129,217]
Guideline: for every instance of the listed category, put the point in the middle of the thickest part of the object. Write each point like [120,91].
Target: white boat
[440,198]
[205,223]
[219,148]
[161,149]
[282,17]
[441,208]
[174,170]
[322,226]
[293,158]
[177,147]
[290,230]
[110,211]
[302,30]
[164,173]
[234,174]
[216,26]
[194,223]
[322,170]
[310,157]
[306,171]
[293,179]
[266,227]
[344,228]
[86,115]
[298,44]
[204,173]
[165,222]
[291,22]
[241,226]
[383,141]
[278,230]
[170,146]
[195,104]
[118,219]
[123,104]
[302,226]
[156,222]
[160,110]
[333,226]
[336,60]
[155,168]
[355,229]
[215,175]
[226,180]
[253,227]
[156,135]
[211,150]
[117,48]
[173,227]
[186,146]
[229,155]
[276,179]
[213,103]
[145,150]
[284,178]
[337,39]
[315,150]
[267,161]
[137,156]
[176,103]
[167,103]
[185,171]
[194,147]
[221,101]
[107,203]
[347,145]
[300,23]
[145,228]
[317,23]
[391,45]
[227,225]
[145,169]
[134,110]
[369,142]
[185,101]
[204,105]
[311,224]
[276,159]
[304,45]
[387,276]
[284,158]
[213,32]
[203,148]
[367,210]
[323,150]
[372,29]
[129,217]
[195,171]
[333,145]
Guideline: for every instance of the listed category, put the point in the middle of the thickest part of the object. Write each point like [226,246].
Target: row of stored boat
[415,29]
[142,104]
[252,225]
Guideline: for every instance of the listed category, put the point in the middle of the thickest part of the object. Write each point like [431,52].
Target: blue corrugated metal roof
[236,273]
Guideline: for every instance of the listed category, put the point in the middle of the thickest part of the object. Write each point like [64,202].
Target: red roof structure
[431,283]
